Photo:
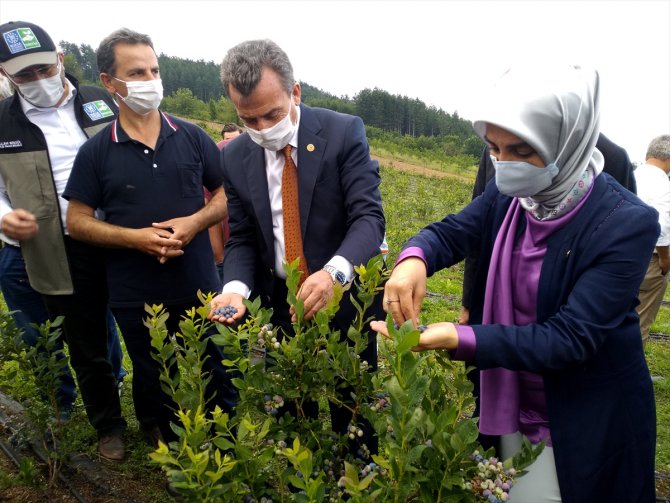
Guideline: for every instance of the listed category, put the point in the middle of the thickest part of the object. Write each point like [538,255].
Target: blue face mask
[522,179]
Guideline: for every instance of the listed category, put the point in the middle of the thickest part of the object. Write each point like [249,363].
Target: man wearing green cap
[43,125]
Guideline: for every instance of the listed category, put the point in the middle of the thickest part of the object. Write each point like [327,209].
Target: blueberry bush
[417,403]
[36,371]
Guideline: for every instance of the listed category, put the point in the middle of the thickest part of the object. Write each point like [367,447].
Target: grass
[658,358]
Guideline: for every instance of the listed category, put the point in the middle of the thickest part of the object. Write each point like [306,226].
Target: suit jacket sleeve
[359,181]
[242,249]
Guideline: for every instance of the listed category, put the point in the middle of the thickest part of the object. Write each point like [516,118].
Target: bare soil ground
[82,479]
[93,484]
[415,168]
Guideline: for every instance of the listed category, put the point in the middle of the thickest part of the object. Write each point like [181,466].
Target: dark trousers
[85,329]
[340,416]
[28,308]
[153,407]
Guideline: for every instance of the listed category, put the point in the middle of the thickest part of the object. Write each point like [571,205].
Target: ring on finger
[389,301]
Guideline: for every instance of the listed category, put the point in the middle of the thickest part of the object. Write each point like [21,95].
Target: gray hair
[5,88]
[243,64]
[106,58]
[659,148]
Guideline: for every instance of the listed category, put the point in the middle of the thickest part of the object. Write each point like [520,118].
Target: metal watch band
[338,276]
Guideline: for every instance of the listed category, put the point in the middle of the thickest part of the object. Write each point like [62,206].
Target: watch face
[339,276]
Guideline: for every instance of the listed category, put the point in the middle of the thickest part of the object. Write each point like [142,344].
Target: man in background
[229,131]
[653,187]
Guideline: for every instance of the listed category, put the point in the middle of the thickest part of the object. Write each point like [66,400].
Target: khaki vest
[30,186]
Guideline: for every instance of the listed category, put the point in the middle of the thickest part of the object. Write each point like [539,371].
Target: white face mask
[144,96]
[43,93]
[276,137]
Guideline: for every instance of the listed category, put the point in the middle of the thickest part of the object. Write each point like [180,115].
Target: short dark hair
[230,127]
[243,64]
[105,54]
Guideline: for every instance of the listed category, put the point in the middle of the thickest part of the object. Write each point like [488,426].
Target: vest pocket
[30,185]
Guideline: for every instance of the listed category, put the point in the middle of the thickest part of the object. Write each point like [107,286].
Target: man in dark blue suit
[340,211]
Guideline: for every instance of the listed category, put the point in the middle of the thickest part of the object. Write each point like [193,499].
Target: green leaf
[363,484]
[223,443]
[407,339]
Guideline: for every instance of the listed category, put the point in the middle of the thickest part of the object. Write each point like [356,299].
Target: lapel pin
[310,148]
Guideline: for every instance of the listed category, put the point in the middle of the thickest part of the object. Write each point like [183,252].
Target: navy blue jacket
[586,342]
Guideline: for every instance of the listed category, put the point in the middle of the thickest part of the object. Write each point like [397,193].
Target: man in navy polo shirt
[146,171]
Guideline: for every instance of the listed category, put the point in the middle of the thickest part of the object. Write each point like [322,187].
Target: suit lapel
[311,149]
[258,190]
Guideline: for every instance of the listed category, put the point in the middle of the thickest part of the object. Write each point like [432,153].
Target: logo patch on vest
[97,110]
[11,144]
[20,40]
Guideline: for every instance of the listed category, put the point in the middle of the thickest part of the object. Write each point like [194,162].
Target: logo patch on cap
[11,144]
[97,110]
[21,39]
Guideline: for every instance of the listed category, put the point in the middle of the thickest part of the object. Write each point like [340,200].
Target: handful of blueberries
[226,311]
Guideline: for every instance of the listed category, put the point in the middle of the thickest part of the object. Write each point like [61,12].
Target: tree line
[193,89]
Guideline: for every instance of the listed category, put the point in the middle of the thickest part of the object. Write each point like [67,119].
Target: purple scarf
[499,396]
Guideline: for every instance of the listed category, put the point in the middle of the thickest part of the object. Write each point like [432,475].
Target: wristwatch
[337,275]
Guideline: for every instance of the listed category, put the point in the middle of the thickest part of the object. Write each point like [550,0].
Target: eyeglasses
[33,73]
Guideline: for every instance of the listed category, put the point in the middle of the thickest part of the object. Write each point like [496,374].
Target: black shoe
[111,448]
[153,436]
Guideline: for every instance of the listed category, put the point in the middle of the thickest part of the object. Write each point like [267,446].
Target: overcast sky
[444,52]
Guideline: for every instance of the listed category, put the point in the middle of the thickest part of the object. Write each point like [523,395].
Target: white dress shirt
[653,187]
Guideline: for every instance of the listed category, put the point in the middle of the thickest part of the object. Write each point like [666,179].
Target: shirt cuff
[3,236]
[343,265]
[238,287]
[467,344]
[411,252]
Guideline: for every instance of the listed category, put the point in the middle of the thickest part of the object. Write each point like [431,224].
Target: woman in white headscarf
[553,325]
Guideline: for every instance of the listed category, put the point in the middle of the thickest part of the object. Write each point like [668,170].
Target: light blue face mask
[522,179]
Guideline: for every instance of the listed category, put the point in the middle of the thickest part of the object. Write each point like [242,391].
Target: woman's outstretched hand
[436,336]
